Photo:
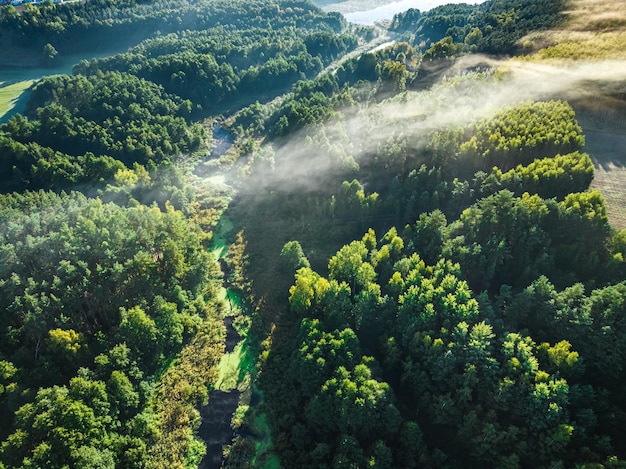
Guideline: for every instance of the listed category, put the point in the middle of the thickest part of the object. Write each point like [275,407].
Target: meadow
[13,96]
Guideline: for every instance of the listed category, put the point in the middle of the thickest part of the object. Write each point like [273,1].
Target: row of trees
[390,340]
[80,130]
[111,332]
[211,67]
[484,330]
[398,364]
[140,106]
[370,76]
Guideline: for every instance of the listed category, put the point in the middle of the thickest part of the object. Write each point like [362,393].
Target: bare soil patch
[608,152]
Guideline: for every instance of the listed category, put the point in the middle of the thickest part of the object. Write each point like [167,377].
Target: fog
[459,97]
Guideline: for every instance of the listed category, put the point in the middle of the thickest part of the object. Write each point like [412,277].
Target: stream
[215,429]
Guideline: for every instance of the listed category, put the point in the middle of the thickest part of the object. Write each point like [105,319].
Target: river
[222,141]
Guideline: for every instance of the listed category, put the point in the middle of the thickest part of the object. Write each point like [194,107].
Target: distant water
[386,12]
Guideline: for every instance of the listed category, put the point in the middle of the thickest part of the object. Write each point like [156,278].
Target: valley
[274,233]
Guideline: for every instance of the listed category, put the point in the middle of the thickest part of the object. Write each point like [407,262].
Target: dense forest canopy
[426,279]
[493,26]
[72,27]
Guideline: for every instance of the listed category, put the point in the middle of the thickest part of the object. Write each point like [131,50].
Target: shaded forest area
[425,288]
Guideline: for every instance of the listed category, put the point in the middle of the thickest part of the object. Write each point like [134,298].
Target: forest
[413,258]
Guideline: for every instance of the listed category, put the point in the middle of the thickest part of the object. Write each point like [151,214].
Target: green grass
[222,294]
[263,457]
[233,298]
[15,81]
[12,94]
[230,369]
[220,235]
[235,367]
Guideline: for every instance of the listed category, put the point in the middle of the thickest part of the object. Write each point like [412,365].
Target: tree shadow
[18,105]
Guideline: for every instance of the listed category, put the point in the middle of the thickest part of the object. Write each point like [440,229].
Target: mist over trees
[419,328]
[422,289]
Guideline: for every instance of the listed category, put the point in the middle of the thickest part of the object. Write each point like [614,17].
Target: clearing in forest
[607,149]
[12,96]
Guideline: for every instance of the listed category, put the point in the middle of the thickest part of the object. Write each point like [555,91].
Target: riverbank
[231,419]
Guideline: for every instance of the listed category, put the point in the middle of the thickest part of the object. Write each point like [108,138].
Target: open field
[605,141]
[596,15]
[13,89]
[578,36]
[15,81]
[13,86]
[608,152]
[595,30]
[12,96]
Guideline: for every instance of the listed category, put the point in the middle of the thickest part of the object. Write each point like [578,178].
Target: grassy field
[14,82]
[13,96]
[14,85]
[608,152]
[591,30]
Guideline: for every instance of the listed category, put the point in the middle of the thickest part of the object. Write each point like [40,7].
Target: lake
[367,12]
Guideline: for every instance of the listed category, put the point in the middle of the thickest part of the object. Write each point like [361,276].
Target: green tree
[354,403]
[50,54]
[58,423]
[293,257]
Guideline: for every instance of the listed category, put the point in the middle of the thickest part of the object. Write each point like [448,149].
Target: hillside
[591,30]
